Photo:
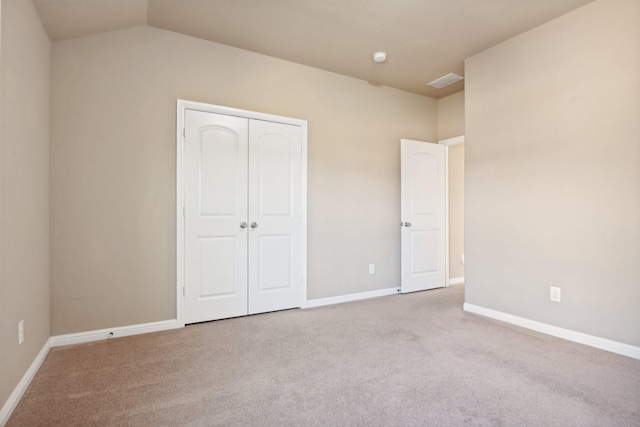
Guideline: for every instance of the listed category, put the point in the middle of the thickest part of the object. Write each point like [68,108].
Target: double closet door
[243,216]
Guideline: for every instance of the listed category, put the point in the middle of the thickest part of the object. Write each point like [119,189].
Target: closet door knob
[407,224]
[254,225]
[243,224]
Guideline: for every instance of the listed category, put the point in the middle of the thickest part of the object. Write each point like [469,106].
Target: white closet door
[423,210]
[215,216]
[275,216]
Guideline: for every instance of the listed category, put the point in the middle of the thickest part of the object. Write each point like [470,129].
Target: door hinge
[184,133]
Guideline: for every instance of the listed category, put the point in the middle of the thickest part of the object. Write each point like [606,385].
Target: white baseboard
[122,331]
[456,281]
[21,388]
[590,340]
[351,297]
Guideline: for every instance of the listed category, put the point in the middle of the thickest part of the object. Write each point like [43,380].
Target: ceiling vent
[445,80]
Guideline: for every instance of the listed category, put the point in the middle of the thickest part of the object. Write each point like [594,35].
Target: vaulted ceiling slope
[424,39]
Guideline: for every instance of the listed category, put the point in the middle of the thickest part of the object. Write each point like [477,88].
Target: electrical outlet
[555,294]
[21,332]
[372,268]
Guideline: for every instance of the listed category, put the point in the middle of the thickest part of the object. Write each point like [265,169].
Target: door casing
[450,142]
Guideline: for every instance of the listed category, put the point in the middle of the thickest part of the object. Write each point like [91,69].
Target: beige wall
[451,116]
[553,172]
[113,168]
[456,211]
[24,218]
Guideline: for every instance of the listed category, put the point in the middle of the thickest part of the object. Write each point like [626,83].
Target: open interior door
[423,210]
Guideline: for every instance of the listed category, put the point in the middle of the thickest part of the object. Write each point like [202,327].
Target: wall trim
[447,247]
[13,400]
[121,331]
[319,302]
[456,281]
[579,337]
[456,140]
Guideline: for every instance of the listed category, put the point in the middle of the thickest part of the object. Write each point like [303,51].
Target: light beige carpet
[403,360]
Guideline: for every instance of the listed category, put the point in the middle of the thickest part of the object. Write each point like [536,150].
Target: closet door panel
[275,216]
[215,207]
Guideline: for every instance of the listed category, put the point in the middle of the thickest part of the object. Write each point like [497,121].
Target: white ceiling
[424,39]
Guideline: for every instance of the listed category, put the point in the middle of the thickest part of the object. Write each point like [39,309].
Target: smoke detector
[379,57]
[445,80]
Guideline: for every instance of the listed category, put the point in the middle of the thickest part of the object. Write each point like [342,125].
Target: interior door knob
[407,224]
[254,225]
[243,224]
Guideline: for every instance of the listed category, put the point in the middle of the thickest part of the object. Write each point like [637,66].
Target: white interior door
[215,242]
[423,210]
[275,216]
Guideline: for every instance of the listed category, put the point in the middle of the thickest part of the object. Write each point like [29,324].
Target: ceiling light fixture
[379,57]
[445,80]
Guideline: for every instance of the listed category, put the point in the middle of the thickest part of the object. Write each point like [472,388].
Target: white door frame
[182,106]
[457,140]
